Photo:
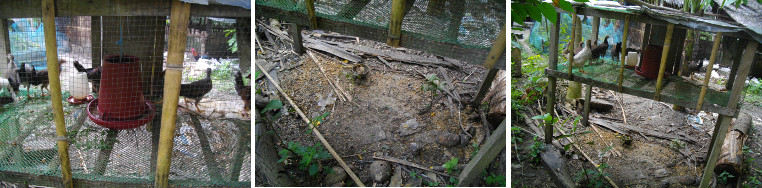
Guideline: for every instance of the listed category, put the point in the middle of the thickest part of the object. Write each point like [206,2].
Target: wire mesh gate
[112,75]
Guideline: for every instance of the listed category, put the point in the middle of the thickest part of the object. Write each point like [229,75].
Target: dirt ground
[382,117]
[644,163]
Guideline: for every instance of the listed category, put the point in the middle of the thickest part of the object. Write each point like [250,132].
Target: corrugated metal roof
[748,15]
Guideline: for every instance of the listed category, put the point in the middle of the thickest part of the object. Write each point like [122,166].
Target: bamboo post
[178,33]
[395,23]
[315,131]
[575,88]
[735,96]
[663,66]
[712,57]
[311,13]
[572,43]
[51,51]
[552,64]
[497,50]
[624,50]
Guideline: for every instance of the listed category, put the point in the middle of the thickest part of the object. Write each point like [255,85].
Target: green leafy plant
[433,84]
[754,93]
[451,165]
[535,150]
[592,178]
[723,177]
[676,144]
[314,122]
[232,42]
[495,180]
[752,182]
[310,156]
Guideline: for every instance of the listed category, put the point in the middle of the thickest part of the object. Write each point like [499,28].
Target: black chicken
[93,75]
[615,53]
[196,90]
[600,50]
[244,91]
[26,73]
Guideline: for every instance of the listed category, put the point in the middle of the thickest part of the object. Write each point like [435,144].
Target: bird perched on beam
[582,57]
[600,50]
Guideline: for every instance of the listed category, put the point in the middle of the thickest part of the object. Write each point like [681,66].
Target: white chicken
[582,57]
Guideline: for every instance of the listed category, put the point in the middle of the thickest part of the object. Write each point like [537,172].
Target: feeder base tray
[76,101]
[95,116]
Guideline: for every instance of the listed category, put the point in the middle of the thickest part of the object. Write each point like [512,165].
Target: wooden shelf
[675,90]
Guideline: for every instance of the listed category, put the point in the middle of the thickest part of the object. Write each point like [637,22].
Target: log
[599,105]
[496,99]
[731,153]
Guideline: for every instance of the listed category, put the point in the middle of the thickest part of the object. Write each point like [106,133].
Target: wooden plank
[318,45]
[243,39]
[494,145]
[105,153]
[213,168]
[554,162]
[178,33]
[51,52]
[64,8]
[620,126]
[296,34]
[463,53]
[5,48]
[586,111]
[714,149]
[640,93]
[420,60]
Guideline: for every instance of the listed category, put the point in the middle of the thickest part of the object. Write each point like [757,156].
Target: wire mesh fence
[112,81]
[469,23]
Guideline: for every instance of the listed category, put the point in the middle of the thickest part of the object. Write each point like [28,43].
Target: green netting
[674,86]
[469,23]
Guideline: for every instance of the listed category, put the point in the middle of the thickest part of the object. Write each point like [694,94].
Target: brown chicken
[196,90]
[245,92]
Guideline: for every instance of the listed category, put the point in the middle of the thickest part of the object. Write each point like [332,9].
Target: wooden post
[516,62]
[737,53]
[395,23]
[624,50]
[5,45]
[595,26]
[724,121]
[296,33]
[586,113]
[51,51]
[663,65]
[243,38]
[495,143]
[712,57]
[644,42]
[572,43]
[575,88]
[96,39]
[178,33]
[552,64]
[498,47]
[311,13]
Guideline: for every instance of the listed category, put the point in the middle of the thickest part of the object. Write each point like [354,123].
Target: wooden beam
[663,64]
[5,47]
[495,143]
[712,57]
[311,13]
[243,39]
[104,155]
[586,111]
[296,34]
[178,33]
[68,8]
[49,26]
[498,47]
[552,64]
[624,51]
[395,23]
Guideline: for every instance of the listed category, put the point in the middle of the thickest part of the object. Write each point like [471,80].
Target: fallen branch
[318,45]
[587,157]
[399,56]
[334,86]
[410,164]
[314,130]
[621,105]
[599,135]
[619,126]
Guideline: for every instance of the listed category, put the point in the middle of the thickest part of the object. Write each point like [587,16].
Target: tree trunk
[731,154]
[267,165]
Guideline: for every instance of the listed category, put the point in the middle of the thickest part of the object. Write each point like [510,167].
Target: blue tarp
[28,42]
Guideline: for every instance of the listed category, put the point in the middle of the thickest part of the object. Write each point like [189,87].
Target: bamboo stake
[49,24]
[663,66]
[314,129]
[552,64]
[709,70]
[395,23]
[311,13]
[624,50]
[494,54]
[178,33]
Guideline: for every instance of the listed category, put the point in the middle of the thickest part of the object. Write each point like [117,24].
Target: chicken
[29,76]
[576,48]
[93,75]
[195,54]
[600,50]
[582,57]
[196,90]
[245,92]
[615,53]
[11,71]
[26,74]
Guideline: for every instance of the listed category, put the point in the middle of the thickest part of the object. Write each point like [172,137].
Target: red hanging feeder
[649,67]
[121,104]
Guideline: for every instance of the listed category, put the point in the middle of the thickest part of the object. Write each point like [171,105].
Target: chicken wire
[468,23]
[211,145]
